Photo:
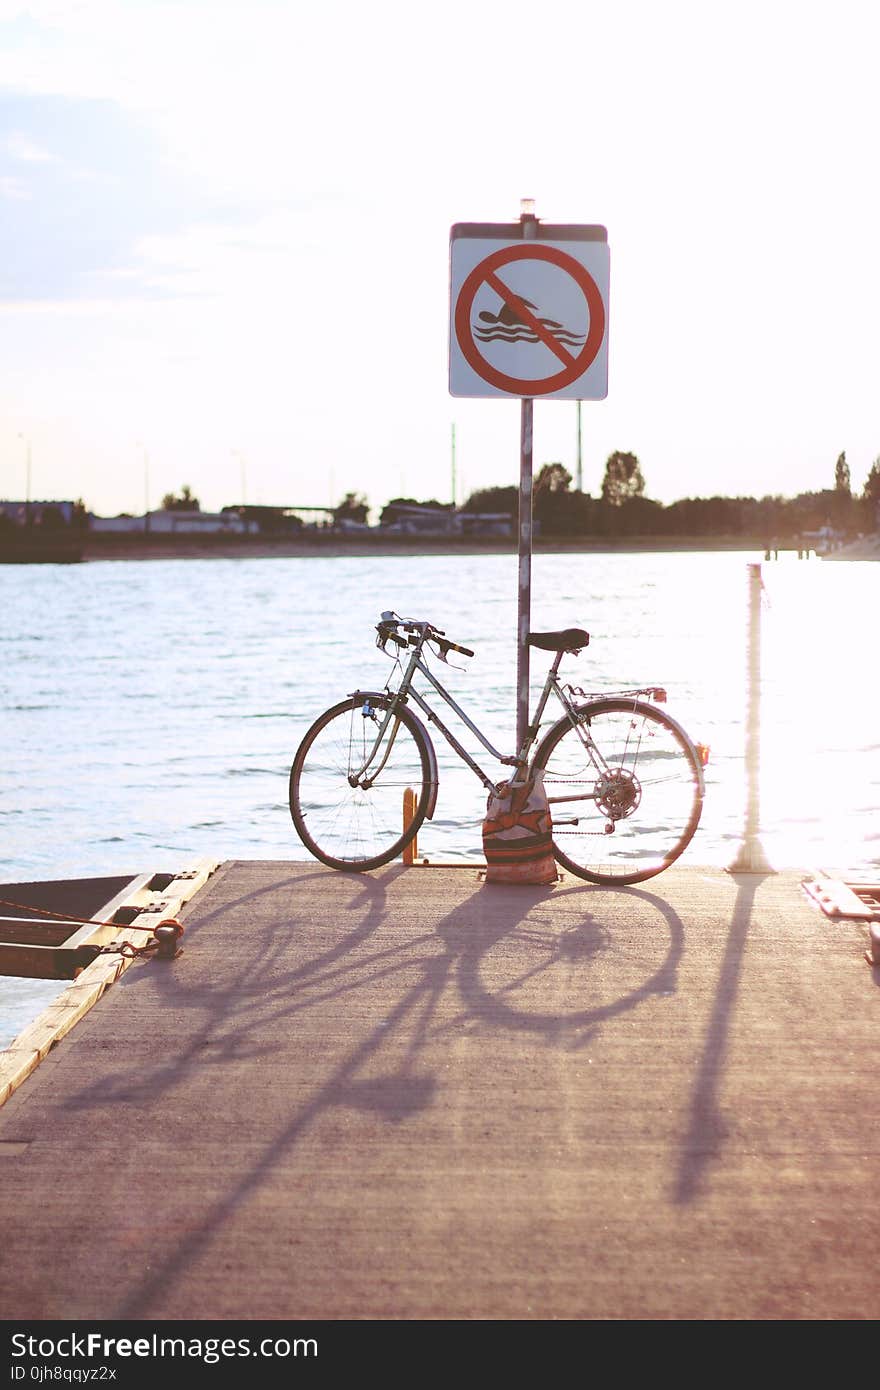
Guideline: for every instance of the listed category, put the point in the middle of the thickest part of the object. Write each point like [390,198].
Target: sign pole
[580,471]
[525,572]
[529,230]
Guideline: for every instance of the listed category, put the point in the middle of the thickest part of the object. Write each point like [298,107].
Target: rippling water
[151,710]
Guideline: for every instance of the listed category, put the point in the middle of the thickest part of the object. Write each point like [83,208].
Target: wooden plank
[136,894]
[16,1065]
[29,931]
[75,899]
[52,1024]
[29,1048]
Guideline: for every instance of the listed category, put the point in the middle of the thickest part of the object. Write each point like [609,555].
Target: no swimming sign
[528,318]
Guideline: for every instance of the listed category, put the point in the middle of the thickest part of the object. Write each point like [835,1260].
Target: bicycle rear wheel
[630,813]
[349,814]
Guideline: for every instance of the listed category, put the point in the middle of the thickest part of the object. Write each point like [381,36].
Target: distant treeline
[622,509]
[571,513]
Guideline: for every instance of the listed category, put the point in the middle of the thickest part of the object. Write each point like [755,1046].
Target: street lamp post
[146,489]
[27,493]
[243,466]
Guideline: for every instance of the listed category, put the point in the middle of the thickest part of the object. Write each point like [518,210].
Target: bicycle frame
[406,690]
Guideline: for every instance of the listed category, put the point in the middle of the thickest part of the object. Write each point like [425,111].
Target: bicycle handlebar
[416,632]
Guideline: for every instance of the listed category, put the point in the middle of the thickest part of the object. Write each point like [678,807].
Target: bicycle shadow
[489,964]
[627,973]
[533,952]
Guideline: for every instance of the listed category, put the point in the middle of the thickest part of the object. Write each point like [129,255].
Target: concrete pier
[412,1095]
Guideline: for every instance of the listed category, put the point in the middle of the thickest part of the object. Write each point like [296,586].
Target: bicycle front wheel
[625,788]
[348,780]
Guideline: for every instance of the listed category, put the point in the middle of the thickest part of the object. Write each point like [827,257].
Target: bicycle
[623,779]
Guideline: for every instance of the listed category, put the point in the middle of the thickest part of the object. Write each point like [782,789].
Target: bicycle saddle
[570,639]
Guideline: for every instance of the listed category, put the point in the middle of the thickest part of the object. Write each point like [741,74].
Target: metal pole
[751,858]
[529,230]
[525,572]
[580,471]
[453,467]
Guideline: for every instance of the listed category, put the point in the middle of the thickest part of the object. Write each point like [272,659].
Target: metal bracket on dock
[851,898]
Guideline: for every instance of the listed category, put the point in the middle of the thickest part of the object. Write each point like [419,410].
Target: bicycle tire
[652,796]
[353,828]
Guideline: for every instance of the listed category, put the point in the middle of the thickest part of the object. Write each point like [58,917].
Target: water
[151,710]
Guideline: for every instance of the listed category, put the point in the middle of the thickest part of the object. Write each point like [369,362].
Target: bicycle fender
[381,696]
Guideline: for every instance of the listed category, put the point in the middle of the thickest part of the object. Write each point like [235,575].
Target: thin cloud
[13,189]
[20,146]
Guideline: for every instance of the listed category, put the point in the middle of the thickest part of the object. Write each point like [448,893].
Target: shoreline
[170,547]
[332,545]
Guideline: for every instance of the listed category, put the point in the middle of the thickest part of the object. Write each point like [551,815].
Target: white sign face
[529,318]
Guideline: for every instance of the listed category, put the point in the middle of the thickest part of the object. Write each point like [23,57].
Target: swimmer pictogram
[509,326]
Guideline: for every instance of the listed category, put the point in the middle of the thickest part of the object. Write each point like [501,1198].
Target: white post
[750,858]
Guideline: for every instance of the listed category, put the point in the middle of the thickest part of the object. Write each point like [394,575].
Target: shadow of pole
[706,1128]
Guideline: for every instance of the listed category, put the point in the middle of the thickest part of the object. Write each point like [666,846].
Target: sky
[225,242]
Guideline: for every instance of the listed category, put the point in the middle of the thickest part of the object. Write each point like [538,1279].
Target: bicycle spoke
[628,811]
[357,826]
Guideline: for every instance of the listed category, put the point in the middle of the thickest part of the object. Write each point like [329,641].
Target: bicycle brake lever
[443,650]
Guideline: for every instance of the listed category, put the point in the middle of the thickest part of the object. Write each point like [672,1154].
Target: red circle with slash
[574,364]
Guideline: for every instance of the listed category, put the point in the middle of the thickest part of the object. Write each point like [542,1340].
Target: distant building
[267,520]
[321,517]
[177,522]
[486,523]
[116,523]
[426,520]
[418,518]
[282,520]
[38,513]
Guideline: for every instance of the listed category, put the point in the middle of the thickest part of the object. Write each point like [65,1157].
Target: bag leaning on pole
[517,833]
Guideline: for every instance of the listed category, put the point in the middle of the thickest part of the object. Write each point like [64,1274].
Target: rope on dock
[164,943]
[66,917]
[165,937]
